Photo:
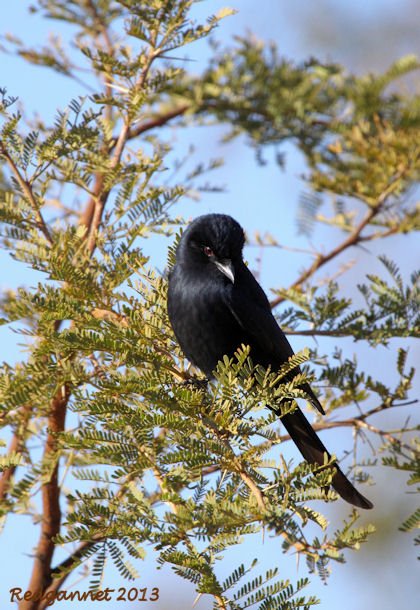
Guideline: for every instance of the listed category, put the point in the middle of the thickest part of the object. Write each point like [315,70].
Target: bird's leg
[198,384]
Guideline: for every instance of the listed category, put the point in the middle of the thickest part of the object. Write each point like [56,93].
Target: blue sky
[261,198]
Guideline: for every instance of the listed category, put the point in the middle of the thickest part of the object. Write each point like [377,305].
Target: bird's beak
[226,267]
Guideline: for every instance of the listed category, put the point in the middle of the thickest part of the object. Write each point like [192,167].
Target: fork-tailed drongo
[215,305]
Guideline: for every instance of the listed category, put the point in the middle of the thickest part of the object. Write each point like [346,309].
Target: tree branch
[344,333]
[8,473]
[158,121]
[42,578]
[51,513]
[359,422]
[352,240]
[66,566]
[96,204]
[16,445]
[63,570]
[27,192]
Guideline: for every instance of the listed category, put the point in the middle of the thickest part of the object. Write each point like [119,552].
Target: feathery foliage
[138,453]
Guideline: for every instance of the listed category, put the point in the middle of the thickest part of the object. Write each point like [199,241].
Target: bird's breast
[202,322]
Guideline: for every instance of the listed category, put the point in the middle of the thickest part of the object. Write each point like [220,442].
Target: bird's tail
[313,450]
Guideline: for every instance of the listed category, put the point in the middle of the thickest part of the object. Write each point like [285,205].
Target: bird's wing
[251,309]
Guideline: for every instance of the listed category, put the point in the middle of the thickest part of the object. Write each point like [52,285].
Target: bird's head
[213,239]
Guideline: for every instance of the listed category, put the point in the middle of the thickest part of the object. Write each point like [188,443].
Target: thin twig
[27,192]
[358,422]
[352,240]
[60,573]
[158,121]
[308,332]
[97,202]
[8,473]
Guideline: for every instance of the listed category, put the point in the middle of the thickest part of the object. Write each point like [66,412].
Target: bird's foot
[198,384]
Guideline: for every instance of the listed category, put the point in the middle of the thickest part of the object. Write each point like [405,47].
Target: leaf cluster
[145,456]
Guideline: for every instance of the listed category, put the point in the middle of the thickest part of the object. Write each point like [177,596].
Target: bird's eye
[208,251]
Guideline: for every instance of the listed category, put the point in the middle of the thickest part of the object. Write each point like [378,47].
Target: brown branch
[157,121]
[91,218]
[97,202]
[254,489]
[318,333]
[353,238]
[256,492]
[384,406]
[96,205]
[65,566]
[51,513]
[359,422]
[42,578]
[62,571]
[322,259]
[344,333]
[220,602]
[8,473]
[16,445]
[27,192]
[87,216]
[380,234]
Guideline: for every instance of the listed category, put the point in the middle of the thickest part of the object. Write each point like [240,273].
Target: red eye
[208,251]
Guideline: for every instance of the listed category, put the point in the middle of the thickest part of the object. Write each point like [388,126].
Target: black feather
[212,316]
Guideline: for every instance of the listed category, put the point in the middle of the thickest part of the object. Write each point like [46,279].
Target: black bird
[215,304]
